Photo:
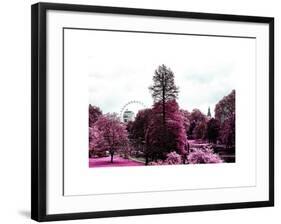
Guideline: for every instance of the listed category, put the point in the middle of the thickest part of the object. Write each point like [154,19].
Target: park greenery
[165,133]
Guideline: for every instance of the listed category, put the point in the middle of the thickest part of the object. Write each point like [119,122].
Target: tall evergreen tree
[163,88]
[162,91]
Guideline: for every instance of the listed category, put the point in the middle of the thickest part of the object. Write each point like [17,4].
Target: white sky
[121,65]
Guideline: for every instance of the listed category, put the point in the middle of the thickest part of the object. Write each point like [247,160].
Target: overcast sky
[121,66]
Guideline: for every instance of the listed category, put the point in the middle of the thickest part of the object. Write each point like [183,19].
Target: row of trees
[220,129]
[163,129]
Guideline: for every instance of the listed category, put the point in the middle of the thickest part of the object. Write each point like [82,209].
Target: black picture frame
[39,107]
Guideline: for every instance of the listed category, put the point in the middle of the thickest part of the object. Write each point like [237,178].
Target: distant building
[128,116]
[209,113]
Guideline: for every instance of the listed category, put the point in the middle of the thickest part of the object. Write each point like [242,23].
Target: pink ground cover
[117,161]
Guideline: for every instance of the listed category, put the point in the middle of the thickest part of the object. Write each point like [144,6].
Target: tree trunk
[164,117]
[163,107]
[146,142]
[146,159]
[111,159]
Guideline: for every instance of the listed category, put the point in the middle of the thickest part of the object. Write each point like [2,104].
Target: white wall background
[15,110]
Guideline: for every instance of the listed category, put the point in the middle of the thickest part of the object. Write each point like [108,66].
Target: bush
[201,156]
[173,158]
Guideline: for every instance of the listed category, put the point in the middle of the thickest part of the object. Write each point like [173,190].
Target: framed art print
[140,111]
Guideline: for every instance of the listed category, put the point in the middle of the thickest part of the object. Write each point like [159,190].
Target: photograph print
[167,105]
[162,98]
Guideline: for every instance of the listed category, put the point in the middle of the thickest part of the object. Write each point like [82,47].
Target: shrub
[200,156]
[173,158]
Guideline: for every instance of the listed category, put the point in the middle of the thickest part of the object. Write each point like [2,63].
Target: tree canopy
[225,114]
[163,88]
[108,134]
[94,113]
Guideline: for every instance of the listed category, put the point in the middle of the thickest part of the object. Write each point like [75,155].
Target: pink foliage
[95,138]
[166,129]
[163,134]
[186,119]
[173,133]
[225,114]
[197,116]
[173,158]
[203,156]
[108,134]
[94,113]
[198,122]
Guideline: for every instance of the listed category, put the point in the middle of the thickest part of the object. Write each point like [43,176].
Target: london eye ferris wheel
[130,109]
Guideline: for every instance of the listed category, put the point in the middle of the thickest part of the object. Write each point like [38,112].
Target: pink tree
[94,113]
[225,114]
[186,119]
[197,124]
[112,134]
[173,133]
[200,130]
[162,91]
[96,142]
